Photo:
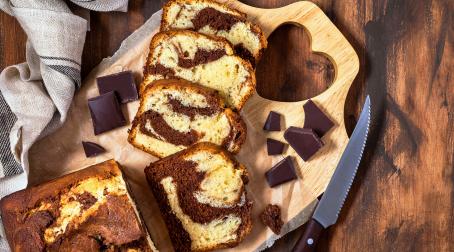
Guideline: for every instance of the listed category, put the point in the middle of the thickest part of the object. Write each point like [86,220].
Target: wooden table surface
[403,196]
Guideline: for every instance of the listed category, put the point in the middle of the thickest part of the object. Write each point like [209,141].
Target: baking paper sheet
[62,153]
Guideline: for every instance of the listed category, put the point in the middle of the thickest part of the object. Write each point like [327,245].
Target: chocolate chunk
[281,172]
[315,119]
[271,217]
[274,147]
[122,83]
[273,122]
[92,149]
[106,113]
[304,141]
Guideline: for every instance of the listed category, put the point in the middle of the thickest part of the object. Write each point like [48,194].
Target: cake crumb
[271,217]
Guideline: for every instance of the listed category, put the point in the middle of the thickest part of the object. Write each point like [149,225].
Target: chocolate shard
[280,173]
[122,83]
[304,141]
[106,113]
[315,119]
[92,149]
[274,147]
[273,122]
[271,217]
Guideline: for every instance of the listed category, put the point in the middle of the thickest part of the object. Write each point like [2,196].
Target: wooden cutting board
[62,152]
[327,40]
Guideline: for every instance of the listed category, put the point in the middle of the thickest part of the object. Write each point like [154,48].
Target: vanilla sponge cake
[88,210]
[174,114]
[212,18]
[202,197]
[205,60]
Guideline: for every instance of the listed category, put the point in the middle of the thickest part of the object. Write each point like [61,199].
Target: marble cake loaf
[205,60]
[175,114]
[212,18]
[202,197]
[88,210]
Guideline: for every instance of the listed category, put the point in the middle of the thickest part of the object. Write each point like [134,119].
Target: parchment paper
[62,153]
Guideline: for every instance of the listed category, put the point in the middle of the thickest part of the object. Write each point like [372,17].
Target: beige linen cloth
[35,95]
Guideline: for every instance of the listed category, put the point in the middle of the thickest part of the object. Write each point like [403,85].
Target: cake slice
[212,18]
[202,197]
[175,114]
[205,60]
[88,210]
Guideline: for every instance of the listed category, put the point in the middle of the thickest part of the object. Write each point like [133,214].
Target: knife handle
[308,241]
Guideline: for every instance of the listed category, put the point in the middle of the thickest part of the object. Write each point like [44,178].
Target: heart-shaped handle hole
[289,70]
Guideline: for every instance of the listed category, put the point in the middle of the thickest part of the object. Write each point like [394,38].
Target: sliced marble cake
[175,114]
[202,197]
[205,60]
[87,210]
[212,18]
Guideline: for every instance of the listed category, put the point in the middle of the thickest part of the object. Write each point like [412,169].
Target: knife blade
[330,205]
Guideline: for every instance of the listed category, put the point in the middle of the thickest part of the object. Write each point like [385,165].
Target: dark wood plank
[12,41]
[403,197]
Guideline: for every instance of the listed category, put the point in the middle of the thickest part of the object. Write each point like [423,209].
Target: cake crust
[187,179]
[64,213]
[216,106]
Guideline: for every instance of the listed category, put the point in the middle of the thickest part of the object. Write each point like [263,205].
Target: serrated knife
[327,210]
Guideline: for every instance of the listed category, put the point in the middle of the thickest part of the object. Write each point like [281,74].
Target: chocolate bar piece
[271,216]
[280,173]
[92,149]
[315,119]
[122,83]
[274,147]
[304,141]
[106,113]
[273,122]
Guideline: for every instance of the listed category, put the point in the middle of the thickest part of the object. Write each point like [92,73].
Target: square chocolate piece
[280,173]
[122,83]
[274,147]
[315,119]
[106,113]
[304,141]
[273,122]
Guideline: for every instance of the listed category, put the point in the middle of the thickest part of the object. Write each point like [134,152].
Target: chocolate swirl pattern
[175,114]
[211,18]
[208,61]
[201,194]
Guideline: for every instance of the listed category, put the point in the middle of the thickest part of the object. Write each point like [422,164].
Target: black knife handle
[308,241]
